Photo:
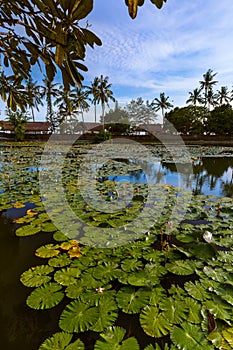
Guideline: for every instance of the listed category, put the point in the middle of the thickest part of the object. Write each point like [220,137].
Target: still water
[22,327]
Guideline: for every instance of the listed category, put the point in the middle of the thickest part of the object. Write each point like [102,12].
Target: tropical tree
[223,95]
[207,84]
[140,112]
[12,92]
[50,91]
[34,96]
[211,98]
[80,102]
[93,91]
[104,94]
[195,97]
[161,103]
[65,104]
[18,119]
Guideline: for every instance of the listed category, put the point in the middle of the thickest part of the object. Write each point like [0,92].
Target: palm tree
[80,100]
[49,91]
[12,92]
[161,103]
[207,83]
[195,97]
[211,98]
[223,95]
[103,94]
[93,90]
[65,103]
[33,95]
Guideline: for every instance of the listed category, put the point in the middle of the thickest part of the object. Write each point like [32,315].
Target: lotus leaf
[113,339]
[60,261]
[194,310]
[181,267]
[27,230]
[75,290]
[153,322]
[228,336]
[77,345]
[216,339]
[108,313]
[78,317]
[189,336]
[131,265]
[173,310]
[106,272]
[67,276]
[130,300]
[36,276]
[196,290]
[58,341]
[220,309]
[48,227]
[48,251]
[45,297]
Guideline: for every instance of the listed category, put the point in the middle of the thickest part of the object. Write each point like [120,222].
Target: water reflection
[211,175]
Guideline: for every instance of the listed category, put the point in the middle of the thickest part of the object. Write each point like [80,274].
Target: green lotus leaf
[216,339]
[60,261]
[215,273]
[58,341]
[131,301]
[225,292]
[78,317]
[143,278]
[27,230]
[75,290]
[106,272]
[181,267]
[156,295]
[154,323]
[93,296]
[196,290]
[67,276]
[36,276]
[175,311]
[157,347]
[45,297]
[108,313]
[189,336]
[60,237]
[113,339]
[194,310]
[77,345]
[131,265]
[219,309]
[48,227]
[48,251]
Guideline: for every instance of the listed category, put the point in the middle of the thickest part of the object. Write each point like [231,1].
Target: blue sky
[165,50]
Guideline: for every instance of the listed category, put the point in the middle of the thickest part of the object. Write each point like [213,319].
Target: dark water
[24,328]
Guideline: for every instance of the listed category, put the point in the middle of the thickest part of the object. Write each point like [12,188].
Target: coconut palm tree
[207,83]
[223,95]
[12,92]
[33,95]
[65,103]
[195,97]
[104,94]
[80,100]
[161,103]
[49,91]
[93,90]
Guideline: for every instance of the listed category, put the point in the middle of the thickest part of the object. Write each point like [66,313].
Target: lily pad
[113,339]
[131,301]
[67,276]
[36,276]
[154,323]
[45,297]
[48,251]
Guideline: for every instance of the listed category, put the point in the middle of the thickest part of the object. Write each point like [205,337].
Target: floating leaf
[108,313]
[45,297]
[181,267]
[78,317]
[58,341]
[173,310]
[18,205]
[189,337]
[196,290]
[60,261]
[154,322]
[130,300]
[48,251]
[36,276]
[113,339]
[27,230]
[68,276]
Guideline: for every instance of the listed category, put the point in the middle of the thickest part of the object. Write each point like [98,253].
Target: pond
[123,272]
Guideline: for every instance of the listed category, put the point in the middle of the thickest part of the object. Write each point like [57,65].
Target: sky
[165,50]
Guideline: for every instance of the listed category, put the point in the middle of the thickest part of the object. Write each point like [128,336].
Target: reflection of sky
[204,182]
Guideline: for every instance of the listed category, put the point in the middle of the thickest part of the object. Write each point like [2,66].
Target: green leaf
[154,323]
[45,297]
[68,276]
[36,276]
[78,317]
[60,261]
[58,341]
[108,313]
[181,267]
[173,310]
[132,301]
[47,251]
[228,336]
[189,337]
[77,345]
[219,309]
[196,290]
[113,339]
[27,230]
